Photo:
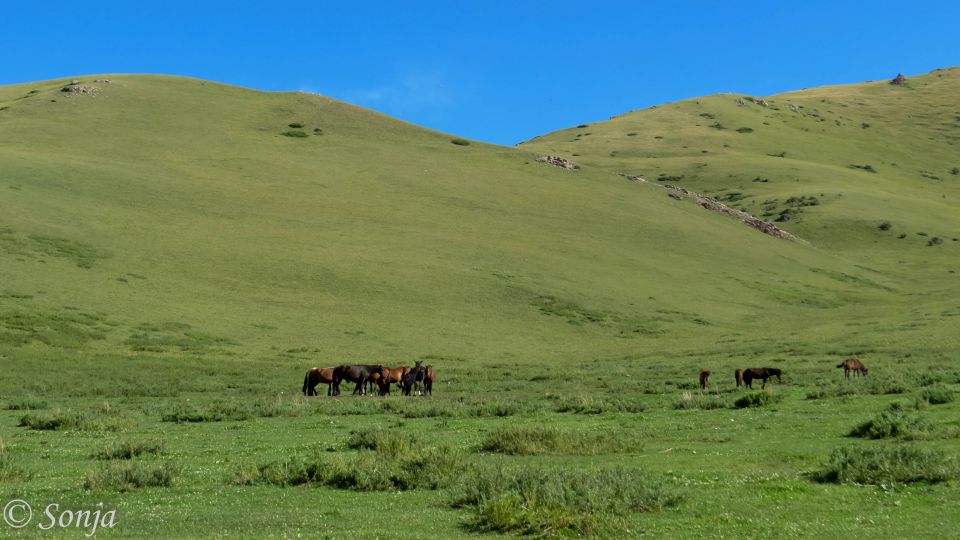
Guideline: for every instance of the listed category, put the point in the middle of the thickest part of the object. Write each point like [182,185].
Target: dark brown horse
[704,379]
[413,380]
[738,375]
[762,373]
[358,374]
[853,364]
[317,376]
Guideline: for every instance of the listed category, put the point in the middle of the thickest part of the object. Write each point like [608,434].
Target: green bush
[560,502]
[893,423]
[758,399]
[598,405]
[460,142]
[527,441]
[387,468]
[937,395]
[103,419]
[125,476]
[130,450]
[296,125]
[295,133]
[887,465]
[26,404]
[690,400]
[217,411]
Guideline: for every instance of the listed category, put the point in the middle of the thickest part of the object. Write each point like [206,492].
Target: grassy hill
[871,170]
[163,202]
[175,253]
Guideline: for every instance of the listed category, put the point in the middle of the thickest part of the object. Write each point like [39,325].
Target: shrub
[130,450]
[560,502]
[937,394]
[295,125]
[282,406]
[27,404]
[217,411]
[460,142]
[892,423]
[745,130]
[886,465]
[689,400]
[383,469]
[527,441]
[884,226]
[758,399]
[598,405]
[955,171]
[8,469]
[935,241]
[103,420]
[295,133]
[125,476]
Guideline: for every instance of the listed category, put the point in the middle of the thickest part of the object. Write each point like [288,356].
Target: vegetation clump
[394,463]
[887,465]
[529,441]
[296,133]
[892,423]
[560,502]
[937,394]
[126,476]
[756,399]
[460,142]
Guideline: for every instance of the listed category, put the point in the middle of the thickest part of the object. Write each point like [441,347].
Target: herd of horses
[417,380]
[745,377]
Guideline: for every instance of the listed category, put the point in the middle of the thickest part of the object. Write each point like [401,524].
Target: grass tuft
[887,466]
[560,502]
[126,476]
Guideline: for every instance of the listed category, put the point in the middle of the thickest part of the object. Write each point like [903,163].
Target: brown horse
[762,373]
[392,376]
[430,378]
[704,379]
[855,365]
[317,376]
[738,375]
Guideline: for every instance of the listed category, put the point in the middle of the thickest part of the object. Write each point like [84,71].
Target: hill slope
[831,164]
[169,214]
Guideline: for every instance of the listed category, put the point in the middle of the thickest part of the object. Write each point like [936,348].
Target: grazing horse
[855,365]
[763,373]
[738,375]
[358,374]
[317,376]
[413,380]
[704,379]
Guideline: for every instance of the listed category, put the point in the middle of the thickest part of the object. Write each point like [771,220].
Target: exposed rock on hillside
[899,80]
[557,161]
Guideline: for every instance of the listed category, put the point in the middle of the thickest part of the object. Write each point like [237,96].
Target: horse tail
[840,364]
[306,382]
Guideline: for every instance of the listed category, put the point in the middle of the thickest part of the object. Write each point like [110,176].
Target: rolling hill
[166,214]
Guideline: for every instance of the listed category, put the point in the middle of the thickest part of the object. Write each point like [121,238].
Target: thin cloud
[414,93]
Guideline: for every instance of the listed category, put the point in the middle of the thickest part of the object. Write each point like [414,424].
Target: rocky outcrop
[899,80]
[76,88]
[558,161]
[709,203]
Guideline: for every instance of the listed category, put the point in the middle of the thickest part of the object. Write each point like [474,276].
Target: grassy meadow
[176,253]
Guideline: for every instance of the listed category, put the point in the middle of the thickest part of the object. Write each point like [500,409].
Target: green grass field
[176,253]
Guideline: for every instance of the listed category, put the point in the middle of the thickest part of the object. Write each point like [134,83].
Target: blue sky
[498,71]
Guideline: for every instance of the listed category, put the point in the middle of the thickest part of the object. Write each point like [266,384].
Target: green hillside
[830,164]
[176,253]
[166,202]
